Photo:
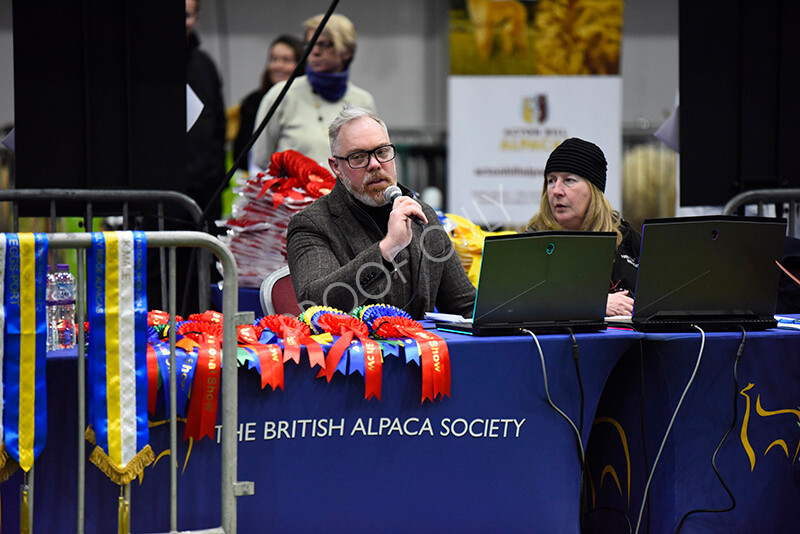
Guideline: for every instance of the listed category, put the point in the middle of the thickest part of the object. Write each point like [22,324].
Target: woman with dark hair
[573,199]
[284,53]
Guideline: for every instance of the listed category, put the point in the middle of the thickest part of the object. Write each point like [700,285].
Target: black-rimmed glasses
[360,159]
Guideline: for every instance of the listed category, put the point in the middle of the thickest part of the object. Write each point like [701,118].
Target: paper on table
[792,323]
[445,317]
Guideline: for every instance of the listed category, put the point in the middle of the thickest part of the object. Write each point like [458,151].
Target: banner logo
[535,109]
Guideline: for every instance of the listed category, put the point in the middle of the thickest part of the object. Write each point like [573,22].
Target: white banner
[503,128]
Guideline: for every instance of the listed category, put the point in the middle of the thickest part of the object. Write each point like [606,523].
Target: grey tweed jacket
[334,260]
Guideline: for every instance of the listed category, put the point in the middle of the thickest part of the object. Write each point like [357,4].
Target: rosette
[347,327]
[294,173]
[207,335]
[157,317]
[268,356]
[311,317]
[434,356]
[373,311]
[294,334]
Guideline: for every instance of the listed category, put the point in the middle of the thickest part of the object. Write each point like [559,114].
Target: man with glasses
[352,247]
[301,120]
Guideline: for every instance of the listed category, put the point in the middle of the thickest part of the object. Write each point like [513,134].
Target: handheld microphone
[391,193]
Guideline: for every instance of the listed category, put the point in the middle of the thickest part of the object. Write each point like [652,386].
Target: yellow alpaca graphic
[764,413]
[508,17]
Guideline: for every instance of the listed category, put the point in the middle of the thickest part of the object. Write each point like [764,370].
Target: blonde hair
[599,217]
[341,31]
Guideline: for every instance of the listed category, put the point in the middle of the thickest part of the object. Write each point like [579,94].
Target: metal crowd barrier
[785,201]
[231,488]
[50,202]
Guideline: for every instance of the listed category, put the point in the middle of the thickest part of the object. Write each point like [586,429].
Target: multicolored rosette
[369,313]
[267,357]
[294,334]
[158,321]
[204,335]
[311,317]
[157,355]
[433,353]
[364,355]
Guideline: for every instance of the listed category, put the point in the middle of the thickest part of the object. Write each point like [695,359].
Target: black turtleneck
[379,214]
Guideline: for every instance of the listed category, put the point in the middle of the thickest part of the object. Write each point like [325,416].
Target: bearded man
[353,247]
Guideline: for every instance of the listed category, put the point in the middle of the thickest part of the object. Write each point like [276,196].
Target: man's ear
[333,163]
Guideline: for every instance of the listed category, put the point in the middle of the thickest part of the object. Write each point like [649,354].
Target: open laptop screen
[544,276]
[708,267]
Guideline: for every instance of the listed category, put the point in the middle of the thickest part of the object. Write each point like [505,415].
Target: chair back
[277,294]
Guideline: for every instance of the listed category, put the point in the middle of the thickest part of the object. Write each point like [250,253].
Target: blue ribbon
[18,367]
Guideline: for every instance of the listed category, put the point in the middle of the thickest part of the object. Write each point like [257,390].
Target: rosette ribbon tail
[373,368]
[271,360]
[202,417]
[335,354]
[435,363]
[316,356]
[291,345]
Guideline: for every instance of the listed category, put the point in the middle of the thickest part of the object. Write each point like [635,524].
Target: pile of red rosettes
[260,214]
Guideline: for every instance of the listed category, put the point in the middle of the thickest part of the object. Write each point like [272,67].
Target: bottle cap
[62,267]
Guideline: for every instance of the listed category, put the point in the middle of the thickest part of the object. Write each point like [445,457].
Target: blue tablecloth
[758,460]
[492,457]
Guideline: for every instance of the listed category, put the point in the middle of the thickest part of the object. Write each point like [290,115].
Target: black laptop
[546,282]
[716,272]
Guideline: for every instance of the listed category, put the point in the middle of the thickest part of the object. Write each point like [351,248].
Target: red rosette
[269,356]
[319,189]
[259,330]
[296,164]
[195,330]
[247,334]
[157,317]
[347,327]
[433,353]
[204,332]
[279,323]
[338,324]
[292,169]
[294,334]
[386,326]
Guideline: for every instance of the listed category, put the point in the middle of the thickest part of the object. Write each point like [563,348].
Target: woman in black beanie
[573,199]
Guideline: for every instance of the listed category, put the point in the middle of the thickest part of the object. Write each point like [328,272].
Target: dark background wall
[100,94]
[740,105]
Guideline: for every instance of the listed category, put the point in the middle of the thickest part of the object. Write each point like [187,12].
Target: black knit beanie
[579,157]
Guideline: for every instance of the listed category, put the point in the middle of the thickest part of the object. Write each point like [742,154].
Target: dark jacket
[335,260]
[247,123]
[205,141]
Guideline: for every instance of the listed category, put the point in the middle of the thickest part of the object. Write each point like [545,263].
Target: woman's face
[281,62]
[569,196]
[324,57]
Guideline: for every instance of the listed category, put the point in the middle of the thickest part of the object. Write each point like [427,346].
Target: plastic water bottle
[62,319]
[52,332]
